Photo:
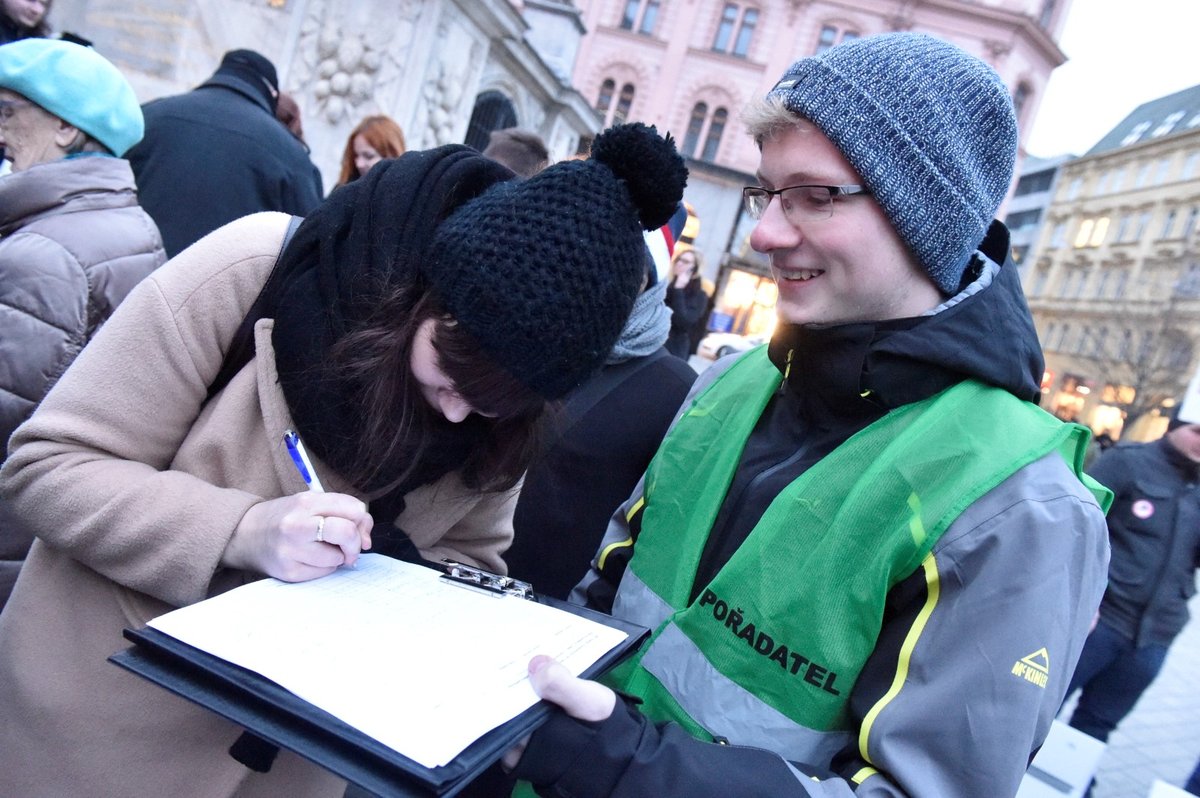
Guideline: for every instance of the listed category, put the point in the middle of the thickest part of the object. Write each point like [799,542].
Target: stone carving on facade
[344,70]
[446,88]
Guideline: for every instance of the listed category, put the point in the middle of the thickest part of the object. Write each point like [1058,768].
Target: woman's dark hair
[399,425]
[39,31]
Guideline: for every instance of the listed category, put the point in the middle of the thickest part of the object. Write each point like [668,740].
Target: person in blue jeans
[1154,531]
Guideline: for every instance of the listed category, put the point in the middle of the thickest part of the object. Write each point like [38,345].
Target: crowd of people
[845,543]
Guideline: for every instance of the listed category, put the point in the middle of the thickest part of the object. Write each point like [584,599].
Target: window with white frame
[1168,223]
[1189,164]
[1073,189]
[1142,223]
[1123,227]
[1143,176]
[1190,223]
[735,30]
[640,15]
[1164,167]
[1118,179]
[1059,237]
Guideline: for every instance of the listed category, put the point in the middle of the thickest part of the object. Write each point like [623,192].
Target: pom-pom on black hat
[544,272]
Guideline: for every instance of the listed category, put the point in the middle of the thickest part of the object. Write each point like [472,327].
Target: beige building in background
[1114,280]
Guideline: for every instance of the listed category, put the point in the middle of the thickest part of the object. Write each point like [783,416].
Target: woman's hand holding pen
[300,537]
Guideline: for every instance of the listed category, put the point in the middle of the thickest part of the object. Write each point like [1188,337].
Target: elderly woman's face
[28,133]
[26,13]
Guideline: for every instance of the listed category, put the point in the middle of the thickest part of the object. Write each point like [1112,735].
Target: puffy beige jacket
[133,486]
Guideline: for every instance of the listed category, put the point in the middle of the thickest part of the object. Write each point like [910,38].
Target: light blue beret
[76,84]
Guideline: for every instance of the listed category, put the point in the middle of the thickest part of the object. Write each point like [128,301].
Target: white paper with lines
[420,665]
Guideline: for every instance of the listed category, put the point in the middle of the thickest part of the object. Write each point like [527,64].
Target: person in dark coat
[218,153]
[608,430]
[1154,530]
[688,303]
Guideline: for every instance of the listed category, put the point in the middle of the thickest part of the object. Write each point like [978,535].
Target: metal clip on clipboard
[474,578]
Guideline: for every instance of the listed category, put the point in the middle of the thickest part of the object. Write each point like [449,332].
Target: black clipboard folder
[280,718]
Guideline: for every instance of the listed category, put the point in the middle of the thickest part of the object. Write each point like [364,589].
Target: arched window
[623,103]
[695,125]
[606,93]
[706,128]
[614,114]
[493,111]
[713,140]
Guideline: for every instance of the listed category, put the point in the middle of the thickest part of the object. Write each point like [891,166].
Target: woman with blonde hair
[375,138]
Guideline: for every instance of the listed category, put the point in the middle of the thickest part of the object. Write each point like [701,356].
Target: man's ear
[67,135]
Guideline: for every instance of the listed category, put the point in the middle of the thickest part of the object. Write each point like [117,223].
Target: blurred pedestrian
[689,303]
[73,241]
[1154,531]
[375,138]
[522,151]
[867,556]
[411,333]
[23,19]
[287,111]
[218,153]
[604,437]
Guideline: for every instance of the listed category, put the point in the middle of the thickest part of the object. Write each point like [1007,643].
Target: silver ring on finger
[320,529]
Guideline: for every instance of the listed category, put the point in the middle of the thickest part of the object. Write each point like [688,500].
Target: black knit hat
[543,272]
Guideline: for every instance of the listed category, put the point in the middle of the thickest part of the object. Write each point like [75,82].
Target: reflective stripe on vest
[829,547]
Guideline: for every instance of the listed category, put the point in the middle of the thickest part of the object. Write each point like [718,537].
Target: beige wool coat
[133,487]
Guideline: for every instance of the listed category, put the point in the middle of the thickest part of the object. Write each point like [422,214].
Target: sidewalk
[1161,737]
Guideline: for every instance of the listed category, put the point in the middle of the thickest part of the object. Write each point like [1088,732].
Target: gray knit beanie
[930,129]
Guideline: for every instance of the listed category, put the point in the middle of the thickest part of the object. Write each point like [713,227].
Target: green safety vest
[769,651]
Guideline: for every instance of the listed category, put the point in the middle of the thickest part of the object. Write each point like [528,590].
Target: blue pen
[303,464]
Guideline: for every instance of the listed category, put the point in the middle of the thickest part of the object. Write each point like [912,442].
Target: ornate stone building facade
[1114,279]
[690,66]
[429,64]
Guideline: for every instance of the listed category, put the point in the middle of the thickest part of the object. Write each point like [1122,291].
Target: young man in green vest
[869,560]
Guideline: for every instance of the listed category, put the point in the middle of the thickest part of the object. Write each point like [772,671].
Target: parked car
[719,344]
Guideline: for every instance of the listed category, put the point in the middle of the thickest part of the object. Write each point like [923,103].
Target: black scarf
[368,237]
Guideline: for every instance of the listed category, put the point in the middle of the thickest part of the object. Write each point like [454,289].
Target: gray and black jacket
[1154,529]
[1026,562]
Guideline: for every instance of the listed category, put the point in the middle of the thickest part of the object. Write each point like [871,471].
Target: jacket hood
[985,332]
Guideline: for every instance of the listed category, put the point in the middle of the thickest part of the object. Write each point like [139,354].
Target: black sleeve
[627,756]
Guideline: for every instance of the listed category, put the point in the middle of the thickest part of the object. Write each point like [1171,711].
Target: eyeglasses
[800,203]
[9,107]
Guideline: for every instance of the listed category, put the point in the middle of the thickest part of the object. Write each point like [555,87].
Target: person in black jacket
[1154,531]
[689,304]
[607,431]
[218,153]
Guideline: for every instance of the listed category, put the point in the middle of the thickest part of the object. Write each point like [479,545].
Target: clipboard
[282,719]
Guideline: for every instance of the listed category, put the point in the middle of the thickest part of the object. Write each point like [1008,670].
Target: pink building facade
[690,66]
